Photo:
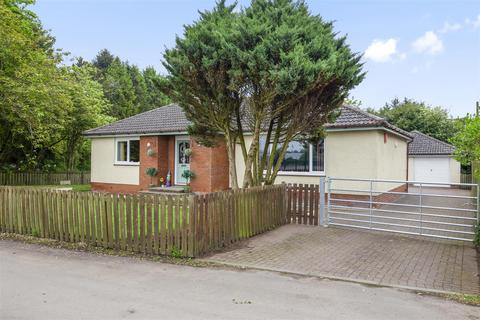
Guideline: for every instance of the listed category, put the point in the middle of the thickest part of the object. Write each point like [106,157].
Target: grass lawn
[75,187]
[470,299]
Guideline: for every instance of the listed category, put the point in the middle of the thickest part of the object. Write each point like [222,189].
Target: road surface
[38,282]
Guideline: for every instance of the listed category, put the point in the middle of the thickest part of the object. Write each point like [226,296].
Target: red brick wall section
[210,166]
[171,158]
[163,159]
[115,187]
[388,197]
[383,197]
[147,161]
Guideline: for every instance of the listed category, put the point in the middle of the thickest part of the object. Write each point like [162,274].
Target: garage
[432,169]
[431,160]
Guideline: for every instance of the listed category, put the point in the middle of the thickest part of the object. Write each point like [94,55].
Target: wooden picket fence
[187,225]
[42,178]
[303,203]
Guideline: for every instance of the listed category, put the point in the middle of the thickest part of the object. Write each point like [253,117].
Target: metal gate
[431,209]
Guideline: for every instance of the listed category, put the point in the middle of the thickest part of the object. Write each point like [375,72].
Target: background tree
[119,90]
[33,99]
[467,143]
[155,84]
[44,105]
[140,88]
[128,89]
[273,69]
[102,61]
[411,115]
[88,110]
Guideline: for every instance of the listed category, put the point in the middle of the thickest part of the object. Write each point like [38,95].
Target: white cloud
[448,27]
[474,23]
[381,51]
[429,43]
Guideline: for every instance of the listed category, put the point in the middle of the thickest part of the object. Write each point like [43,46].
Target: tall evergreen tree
[103,60]
[119,90]
[156,85]
[140,88]
[273,69]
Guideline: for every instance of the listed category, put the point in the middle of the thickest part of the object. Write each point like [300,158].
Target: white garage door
[432,169]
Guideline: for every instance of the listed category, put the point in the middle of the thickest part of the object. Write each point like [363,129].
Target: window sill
[306,174]
[128,164]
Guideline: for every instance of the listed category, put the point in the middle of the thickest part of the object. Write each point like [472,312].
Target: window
[318,156]
[128,151]
[296,158]
[302,157]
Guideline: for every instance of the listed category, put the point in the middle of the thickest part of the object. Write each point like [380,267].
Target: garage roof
[172,119]
[423,144]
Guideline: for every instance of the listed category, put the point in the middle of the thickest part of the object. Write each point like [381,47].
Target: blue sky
[426,50]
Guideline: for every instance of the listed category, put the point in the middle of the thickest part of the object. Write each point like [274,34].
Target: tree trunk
[231,160]
[252,152]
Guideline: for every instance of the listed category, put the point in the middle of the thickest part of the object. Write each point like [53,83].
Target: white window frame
[127,140]
[310,172]
[177,139]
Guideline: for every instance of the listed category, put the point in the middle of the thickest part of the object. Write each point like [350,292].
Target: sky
[425,50]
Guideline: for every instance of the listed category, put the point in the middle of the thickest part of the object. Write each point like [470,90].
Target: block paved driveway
[366,256]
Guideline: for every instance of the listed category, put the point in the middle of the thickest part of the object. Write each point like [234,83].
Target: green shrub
[176,253]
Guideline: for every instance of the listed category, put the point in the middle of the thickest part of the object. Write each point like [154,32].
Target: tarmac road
[38,282]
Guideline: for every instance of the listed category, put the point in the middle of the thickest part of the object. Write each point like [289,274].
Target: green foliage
[469,299]
[272,67]
[176,253]
[467,141]
[155,85]
[476,239]
[152,172]
[44,106]
[411,115]
[103,60]
[33,96]
[128,89]
[88,110]
[188,174]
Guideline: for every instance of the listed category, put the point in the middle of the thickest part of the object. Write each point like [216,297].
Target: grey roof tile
[171,118]
[352,117]
[423,144]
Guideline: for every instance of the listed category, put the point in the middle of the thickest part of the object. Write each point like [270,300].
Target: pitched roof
[172,119]
[351,117]
[423,144]
[169,118]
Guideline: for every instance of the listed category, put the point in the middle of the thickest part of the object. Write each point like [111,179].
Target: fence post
[371,204]
[321,202]
[478,203]
[421,209]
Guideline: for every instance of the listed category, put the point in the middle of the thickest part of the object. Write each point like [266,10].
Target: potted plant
[187,152]
[188,175]
[152,172]
[151,152]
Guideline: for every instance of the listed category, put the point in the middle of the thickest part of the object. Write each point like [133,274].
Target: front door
[182,161]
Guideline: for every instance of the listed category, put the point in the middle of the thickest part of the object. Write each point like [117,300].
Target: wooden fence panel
[42,178]
[302,204]
[163,224]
